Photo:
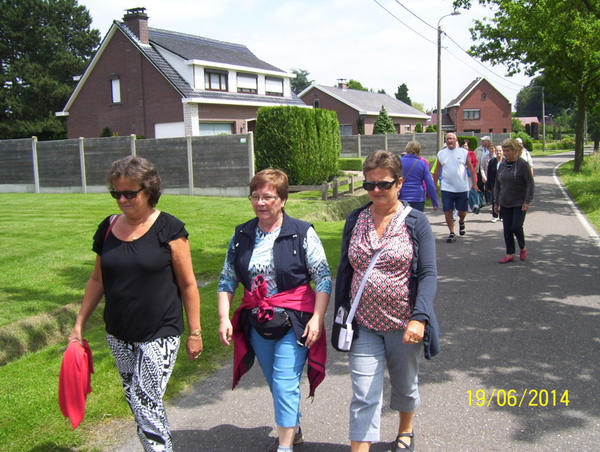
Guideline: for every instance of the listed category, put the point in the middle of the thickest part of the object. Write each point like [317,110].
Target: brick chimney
[342,84]
[136,20]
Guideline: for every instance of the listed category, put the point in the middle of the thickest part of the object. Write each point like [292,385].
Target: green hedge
[351,164]
[303,142]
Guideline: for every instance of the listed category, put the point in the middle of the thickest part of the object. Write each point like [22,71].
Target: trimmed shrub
[304,143]
[526,140]
[351,164]
[418,128]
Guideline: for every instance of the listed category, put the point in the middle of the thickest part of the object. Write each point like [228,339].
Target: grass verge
[584,187]
[46,259]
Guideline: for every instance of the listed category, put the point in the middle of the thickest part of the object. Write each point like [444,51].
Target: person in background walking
[480,152]
[144,271]
[454,183]
[395,317]
[485,160]
[524,154]
[416,176]
[492,170]
[512,196]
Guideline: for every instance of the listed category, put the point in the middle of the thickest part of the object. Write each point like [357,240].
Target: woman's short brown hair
[139,170]
[413,147]
[383,159]
[274,177]
[511,144]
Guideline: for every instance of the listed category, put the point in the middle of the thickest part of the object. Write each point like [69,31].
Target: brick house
[353,105]
[480,108]
[159,84]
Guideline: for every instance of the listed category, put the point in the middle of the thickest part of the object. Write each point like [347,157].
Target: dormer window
[247,83]
[274,86]
[215,80]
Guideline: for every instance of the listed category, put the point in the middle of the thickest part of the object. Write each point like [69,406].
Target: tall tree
[383,123]
[301,82]
[353,84]
[558,39]
[43,44]
[402,94]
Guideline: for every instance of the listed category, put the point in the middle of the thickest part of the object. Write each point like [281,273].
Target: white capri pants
[370,353]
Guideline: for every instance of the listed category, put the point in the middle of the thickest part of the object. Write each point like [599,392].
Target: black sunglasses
[382,185]
[129,194]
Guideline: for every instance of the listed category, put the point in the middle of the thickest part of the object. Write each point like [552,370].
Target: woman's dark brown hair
[140,170]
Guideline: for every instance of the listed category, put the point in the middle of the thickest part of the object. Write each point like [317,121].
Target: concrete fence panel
[59,166]
[16,167]
[169,156]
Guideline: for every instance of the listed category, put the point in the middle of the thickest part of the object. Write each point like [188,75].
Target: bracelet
[195,337]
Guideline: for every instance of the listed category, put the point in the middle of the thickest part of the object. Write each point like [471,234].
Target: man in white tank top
[452,164]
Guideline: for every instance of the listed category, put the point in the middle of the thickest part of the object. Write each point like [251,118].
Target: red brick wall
[495,111]
[146,96]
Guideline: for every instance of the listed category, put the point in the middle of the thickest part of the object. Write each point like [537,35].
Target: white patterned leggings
[145,368]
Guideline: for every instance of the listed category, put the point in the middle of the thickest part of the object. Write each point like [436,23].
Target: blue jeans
[282,361]
[370,353]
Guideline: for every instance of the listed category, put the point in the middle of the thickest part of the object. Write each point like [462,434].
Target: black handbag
[275,328]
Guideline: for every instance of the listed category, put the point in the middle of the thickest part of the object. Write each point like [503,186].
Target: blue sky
[332,39]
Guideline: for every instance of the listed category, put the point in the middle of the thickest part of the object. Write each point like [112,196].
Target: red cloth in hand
[74,382]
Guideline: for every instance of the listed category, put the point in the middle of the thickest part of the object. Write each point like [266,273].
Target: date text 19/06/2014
[512,397]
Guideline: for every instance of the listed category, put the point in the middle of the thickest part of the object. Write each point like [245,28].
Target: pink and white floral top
[385,301]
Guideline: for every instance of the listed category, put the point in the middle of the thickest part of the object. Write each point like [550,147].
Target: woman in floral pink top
[394,320]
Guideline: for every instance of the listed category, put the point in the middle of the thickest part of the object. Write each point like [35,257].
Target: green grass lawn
[46,260]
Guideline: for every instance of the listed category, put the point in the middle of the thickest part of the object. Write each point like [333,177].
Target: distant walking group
[503,173]
[387,272]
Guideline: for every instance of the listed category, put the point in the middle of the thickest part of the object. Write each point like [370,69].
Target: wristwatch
[196,333]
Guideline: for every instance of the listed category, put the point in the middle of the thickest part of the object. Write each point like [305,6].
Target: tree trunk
[579,129]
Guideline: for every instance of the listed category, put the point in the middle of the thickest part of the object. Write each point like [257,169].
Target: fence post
[36,169]
[82,165]
[251,154]
[351,184]
[190,161]
[359,146]
[324,189]
[132,140]
[335,188]
[386,143]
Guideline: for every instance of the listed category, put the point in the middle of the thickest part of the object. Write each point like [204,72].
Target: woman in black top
[513,194]
[144,270]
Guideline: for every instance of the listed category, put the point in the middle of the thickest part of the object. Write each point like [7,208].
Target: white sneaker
[494,219]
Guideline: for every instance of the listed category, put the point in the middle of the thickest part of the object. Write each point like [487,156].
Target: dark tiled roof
[372,102]
[159,62]
[197,48]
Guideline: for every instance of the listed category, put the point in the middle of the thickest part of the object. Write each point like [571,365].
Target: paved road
[526,326]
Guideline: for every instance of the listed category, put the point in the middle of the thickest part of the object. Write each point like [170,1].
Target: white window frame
[344,128]
[115,86]
[274,86]
[247,83]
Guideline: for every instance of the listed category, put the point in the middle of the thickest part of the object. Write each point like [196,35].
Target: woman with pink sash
[280,319]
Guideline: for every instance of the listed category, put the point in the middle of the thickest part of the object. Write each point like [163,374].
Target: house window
[115,84]
[215,81]
[483,96]
[247,83]
[216,128]
[504,130]
[471,114]
[491,130]
[316,103]
[407,129]
[345,129]
[274,86]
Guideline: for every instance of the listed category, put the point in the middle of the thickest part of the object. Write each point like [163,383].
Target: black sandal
[407,447]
